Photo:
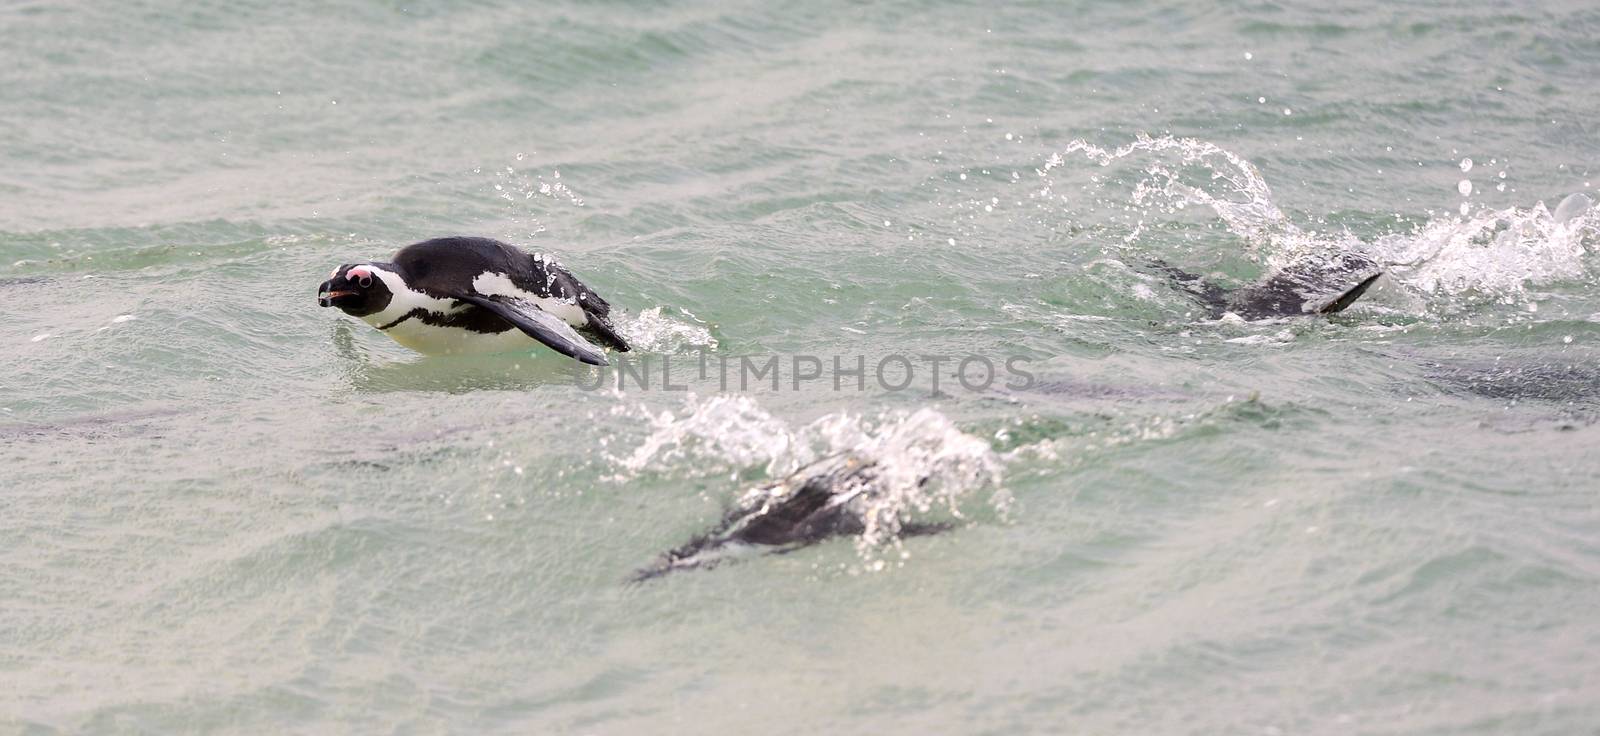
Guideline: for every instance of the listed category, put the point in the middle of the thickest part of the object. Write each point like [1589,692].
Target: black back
[808,512]
[1293,291]
[445,268]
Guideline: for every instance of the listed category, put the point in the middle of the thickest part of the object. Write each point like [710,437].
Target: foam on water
[730,430]
[651,330]
[1498,253]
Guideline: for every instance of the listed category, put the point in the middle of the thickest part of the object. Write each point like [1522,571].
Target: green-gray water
[224,509]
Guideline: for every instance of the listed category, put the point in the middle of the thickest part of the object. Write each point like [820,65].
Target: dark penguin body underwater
[457,296]
[811,505]
[1322,287]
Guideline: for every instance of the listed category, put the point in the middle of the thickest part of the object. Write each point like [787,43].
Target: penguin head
[356,289]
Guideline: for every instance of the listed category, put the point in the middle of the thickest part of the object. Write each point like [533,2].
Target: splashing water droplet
[1465,187]
[1466,165]
[652,330]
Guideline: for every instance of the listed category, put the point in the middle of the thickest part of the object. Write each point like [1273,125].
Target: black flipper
[1350,296]
[539,325]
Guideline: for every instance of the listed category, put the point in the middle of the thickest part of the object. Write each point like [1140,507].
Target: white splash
[1496,253]
[725,430]
[923,464]
[1243,202]
[1282,337]
[652,331]
[1574,206]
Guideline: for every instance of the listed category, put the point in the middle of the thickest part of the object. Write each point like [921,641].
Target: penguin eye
[365,281]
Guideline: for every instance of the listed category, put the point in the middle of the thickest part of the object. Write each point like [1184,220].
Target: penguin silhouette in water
[1310,287]
[811,505]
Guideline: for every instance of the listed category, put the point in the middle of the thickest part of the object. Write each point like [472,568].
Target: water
[227,510]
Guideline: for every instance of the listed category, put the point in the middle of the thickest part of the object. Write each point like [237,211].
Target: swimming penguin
[456,296]
[809,506]
[1311,287]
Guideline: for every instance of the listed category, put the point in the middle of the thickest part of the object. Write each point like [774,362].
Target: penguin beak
[326,294]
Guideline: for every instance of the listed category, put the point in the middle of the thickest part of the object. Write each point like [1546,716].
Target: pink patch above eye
[358,272]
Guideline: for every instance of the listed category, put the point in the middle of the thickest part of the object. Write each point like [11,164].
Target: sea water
[226,510]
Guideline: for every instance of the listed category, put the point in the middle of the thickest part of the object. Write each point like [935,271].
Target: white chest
[412,332]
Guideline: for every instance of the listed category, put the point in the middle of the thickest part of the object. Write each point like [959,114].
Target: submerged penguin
[1323,287]
[457,296]
[809,506]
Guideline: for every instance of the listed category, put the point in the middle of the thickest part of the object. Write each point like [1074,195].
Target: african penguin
[1310,287]
[811,505]
[458,296]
